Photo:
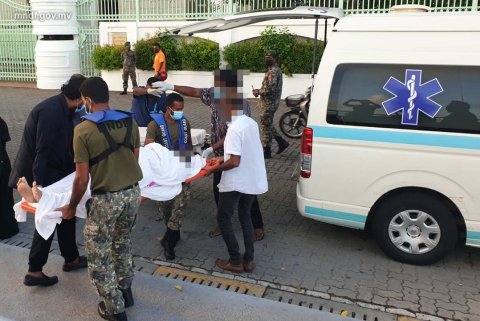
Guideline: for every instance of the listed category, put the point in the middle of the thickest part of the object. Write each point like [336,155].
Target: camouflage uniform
[109,254]
[270,94]
[129,59]
[174,209]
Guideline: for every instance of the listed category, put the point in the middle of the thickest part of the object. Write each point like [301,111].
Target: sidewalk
[156,298]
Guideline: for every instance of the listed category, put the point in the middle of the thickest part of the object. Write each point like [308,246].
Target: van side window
[434,98]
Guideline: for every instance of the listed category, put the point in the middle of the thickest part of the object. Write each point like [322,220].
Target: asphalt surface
[298,254]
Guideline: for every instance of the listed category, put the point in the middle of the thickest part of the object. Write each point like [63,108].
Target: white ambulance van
[393,138]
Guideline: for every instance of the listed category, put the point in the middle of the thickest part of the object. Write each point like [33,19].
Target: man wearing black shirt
[46,156]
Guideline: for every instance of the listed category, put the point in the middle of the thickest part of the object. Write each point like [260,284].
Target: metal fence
[88,39]
[148,10]
[17,43]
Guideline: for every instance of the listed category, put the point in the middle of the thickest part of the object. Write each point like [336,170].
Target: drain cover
[213,281]
[347,310]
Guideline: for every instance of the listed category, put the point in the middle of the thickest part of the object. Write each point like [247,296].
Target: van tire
[404,218]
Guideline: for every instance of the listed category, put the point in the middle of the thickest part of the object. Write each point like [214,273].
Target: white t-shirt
[250,177]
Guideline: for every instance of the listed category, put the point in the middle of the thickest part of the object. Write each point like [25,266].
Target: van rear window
[435,98]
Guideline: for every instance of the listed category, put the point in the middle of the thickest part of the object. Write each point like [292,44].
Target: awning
[238,20]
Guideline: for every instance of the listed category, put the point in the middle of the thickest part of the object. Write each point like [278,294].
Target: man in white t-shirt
[244,176]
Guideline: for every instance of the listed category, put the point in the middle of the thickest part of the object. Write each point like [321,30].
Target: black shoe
[81,264]
[282,144]
[122,316]
[267,152]
[40,281]
[123,92]
[169,248]
[127,297]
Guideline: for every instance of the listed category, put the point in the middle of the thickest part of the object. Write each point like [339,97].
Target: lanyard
[154,106]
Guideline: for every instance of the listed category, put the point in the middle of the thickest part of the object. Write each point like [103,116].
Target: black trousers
[227,203]
[256,214]
[40,247]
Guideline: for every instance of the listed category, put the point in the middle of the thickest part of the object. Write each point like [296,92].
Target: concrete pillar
[57,54]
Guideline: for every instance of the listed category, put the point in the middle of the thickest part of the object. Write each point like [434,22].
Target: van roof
[411,21]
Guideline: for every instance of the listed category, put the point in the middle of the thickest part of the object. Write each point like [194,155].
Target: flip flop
[259,234]
[215,232]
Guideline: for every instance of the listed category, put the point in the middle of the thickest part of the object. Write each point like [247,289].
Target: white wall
[140,30]
[203,79]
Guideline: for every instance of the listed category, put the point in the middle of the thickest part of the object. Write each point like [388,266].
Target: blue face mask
[217,93]
[176,115]
[82,109]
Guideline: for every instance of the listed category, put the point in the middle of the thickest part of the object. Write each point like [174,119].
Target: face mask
[176,115]
[82,108]
[217,93]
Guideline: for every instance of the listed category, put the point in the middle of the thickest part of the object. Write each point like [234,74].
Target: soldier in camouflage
[102,150]
[172,130]
[129,60]
[270,94]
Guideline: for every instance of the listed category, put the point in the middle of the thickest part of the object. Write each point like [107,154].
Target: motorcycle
[293,121]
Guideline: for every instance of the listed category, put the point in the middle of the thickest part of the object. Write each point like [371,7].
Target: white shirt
[250,177]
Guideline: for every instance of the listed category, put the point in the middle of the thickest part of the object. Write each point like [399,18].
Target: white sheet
[163,174]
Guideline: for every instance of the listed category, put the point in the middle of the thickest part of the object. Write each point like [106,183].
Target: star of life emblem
[412,97]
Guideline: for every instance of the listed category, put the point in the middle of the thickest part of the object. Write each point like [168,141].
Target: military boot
[102,311]
[282,144]
[168,243]
[267,152]
[127,297]
[124,92]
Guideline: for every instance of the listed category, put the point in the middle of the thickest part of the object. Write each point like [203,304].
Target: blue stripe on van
[335,214]
[397,137]
[473,238]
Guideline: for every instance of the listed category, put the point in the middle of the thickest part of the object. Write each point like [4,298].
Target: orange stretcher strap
[211,164]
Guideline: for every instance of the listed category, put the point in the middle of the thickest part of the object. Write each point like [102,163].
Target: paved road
[156,298]
[297,254]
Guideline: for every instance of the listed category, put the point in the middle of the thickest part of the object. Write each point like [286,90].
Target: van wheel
[415,228]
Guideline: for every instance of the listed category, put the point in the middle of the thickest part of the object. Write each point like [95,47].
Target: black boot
[127,297]
[267,152]
[168,243]
[124,92]
[282,144]
[122,316]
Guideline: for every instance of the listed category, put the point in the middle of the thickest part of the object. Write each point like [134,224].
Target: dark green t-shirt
[120,169]
[153,131]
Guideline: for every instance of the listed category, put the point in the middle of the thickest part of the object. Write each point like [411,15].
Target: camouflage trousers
[174,209]
[110,220]
[129,72]
[268,131]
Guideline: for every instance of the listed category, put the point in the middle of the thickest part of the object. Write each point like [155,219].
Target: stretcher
[211,164]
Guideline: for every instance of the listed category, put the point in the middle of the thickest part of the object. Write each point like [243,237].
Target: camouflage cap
[127,43]
[272,53]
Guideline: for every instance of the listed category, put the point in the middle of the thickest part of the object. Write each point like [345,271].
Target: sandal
[259,234]
[215,232]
